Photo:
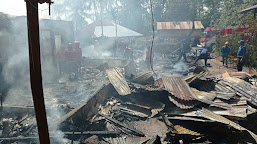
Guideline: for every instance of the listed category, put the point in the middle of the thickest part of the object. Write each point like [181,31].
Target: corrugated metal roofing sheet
[178,87]
[178,25]
[110,31]
[242,88]
[144,78]
[117,140]
[182,130]
[118,81]
[182,104]
[212,116]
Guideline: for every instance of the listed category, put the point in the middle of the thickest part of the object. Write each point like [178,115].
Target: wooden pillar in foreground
[35,70]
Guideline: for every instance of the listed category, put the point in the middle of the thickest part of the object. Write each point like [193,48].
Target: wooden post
[35,70]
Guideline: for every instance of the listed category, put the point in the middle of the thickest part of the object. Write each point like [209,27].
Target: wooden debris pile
[170,109]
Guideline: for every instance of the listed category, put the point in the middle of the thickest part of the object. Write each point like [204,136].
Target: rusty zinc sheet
[117,140]
[118,81]
[182,130]
[178,87]
[182,104]
[212,116]
[179,25]
[144,78]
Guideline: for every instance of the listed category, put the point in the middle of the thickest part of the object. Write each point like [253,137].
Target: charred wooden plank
[118,81]
[93,133]
[169,125]
[88,108]
[139,133]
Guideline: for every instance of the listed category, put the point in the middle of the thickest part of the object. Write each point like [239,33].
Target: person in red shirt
[70,57]
[78,54]
[60,56]
[149,57]
[78,50]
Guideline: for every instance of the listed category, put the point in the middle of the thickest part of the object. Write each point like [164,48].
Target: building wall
[178,33]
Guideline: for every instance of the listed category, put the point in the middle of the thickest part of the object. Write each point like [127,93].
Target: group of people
[128,55]
[225,51]
[69,60]
[185,46]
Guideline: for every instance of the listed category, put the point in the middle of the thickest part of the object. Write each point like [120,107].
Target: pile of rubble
[172,109]
[199,108]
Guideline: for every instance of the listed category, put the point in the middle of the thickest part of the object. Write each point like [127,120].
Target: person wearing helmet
[225,50]
[78,49]
[70,56]
[241,55]
[78,56]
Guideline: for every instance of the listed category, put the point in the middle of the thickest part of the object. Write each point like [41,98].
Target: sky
[18,8]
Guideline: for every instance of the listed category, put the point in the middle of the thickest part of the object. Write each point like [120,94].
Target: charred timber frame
[35,69]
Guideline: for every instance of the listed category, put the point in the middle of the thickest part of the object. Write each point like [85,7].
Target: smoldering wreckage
[198,108]
[143,109]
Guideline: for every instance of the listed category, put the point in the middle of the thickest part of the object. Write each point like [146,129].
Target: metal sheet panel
[212,116]
[144,78]
[178,25]
[182,130]
[117,140]
[182,104]
[118,81]
[178,87]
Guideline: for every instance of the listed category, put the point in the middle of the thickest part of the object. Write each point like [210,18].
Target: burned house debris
[168,110]
[108,95]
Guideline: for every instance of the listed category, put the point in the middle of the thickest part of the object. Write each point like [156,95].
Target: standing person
[203,55]
[149,57]
[78,56]
[70,56]
[60,55]
[128,54]
[241,55]
[225,50]
[183,48]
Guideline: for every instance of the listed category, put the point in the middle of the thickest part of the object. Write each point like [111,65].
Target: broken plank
[122,125]
[93,133]
[169,125]
[134,113]
[118,81]
[187,119]
[87,109]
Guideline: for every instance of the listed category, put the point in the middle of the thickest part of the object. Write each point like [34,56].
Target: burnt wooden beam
[139,133]
[169,125]
[93,133]
[35,70]
[87,109]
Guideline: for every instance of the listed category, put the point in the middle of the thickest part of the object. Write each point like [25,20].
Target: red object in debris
[241,29]
[227,31]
